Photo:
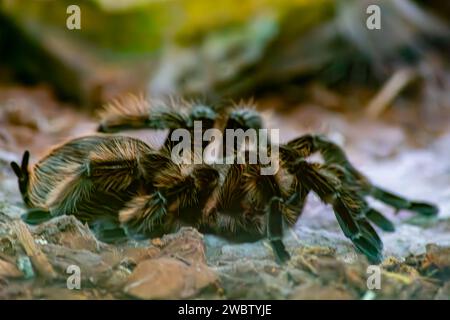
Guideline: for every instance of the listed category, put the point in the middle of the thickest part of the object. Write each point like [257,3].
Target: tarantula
[121,186]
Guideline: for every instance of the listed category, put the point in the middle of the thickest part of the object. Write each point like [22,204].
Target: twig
[37,257]
[390,91]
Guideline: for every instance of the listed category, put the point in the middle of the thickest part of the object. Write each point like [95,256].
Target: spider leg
[275,230]
[143,213]
[133,113]
[107,229]
[244,118]
[346,179]
[264,191]
[398,202]
[36,216]
[348,206]
[334,155]
[297,201]
[380,220]
[335,160]
[130,113]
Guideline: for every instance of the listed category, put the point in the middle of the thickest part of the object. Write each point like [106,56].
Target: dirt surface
[397,155]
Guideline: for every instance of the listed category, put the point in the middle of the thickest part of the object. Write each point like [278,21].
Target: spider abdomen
[74,178]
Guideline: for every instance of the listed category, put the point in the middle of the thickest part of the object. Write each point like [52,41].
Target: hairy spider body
[122,186]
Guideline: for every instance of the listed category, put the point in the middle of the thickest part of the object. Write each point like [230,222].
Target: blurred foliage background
[215,50]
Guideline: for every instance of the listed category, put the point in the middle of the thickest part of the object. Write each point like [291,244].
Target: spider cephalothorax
[123,187]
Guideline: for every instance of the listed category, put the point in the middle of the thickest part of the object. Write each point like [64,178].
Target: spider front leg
[275,230]
[348,206]
[334,155]
[398,202]
[331,153]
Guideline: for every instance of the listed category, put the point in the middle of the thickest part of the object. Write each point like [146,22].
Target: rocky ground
[324,265]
